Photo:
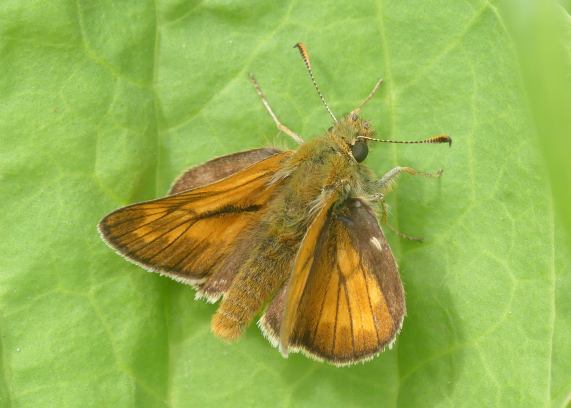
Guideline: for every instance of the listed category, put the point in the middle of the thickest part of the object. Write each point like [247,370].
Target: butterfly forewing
[186,235]
[345,301]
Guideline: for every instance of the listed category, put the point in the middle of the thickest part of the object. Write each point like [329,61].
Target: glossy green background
[104,103]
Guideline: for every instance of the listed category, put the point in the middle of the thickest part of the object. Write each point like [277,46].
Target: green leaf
[104,103]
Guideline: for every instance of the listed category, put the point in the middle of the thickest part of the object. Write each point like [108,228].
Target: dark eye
[360,150]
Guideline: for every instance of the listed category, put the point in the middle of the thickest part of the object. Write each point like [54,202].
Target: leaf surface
[104,103]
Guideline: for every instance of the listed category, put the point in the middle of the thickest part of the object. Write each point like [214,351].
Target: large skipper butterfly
[293,234]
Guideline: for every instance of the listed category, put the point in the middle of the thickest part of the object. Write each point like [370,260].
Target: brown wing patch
[352,302]
[219,168]
[186,235]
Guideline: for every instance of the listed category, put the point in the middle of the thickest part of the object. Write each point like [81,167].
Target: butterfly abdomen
[265,271]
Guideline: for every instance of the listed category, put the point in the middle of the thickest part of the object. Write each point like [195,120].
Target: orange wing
[344,302]
[190,235]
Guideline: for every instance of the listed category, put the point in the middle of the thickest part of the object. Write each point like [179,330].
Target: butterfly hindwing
[344,302]
[219,168]
[188,234]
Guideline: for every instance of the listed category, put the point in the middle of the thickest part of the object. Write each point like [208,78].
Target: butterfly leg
[385,182]
[380,197]
[389,177]
[403,235]
[266,104]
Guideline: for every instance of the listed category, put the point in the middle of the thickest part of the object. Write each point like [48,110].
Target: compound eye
[360,150]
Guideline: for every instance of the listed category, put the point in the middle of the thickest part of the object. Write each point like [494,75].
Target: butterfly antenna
[433,139]
[369,97]
[305,57]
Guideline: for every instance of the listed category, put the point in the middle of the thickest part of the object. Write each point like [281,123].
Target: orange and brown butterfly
[292,234]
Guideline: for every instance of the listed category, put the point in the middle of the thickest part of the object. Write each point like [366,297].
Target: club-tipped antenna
[433,139]
[305,57]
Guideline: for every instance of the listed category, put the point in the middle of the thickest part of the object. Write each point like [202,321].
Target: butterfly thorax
[322,166]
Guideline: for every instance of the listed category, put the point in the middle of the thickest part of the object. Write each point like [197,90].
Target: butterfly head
[354,133]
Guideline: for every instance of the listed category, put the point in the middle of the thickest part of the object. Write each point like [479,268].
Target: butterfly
[293,234]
